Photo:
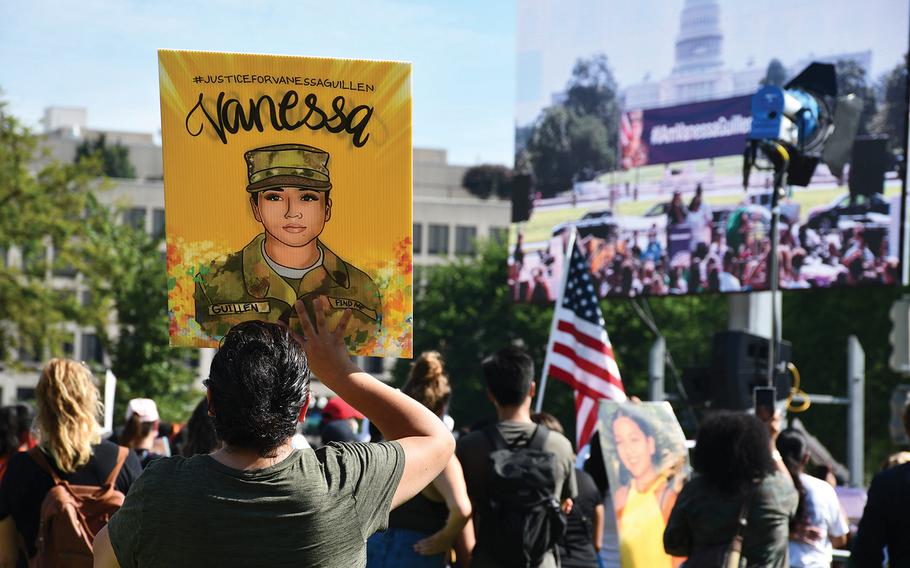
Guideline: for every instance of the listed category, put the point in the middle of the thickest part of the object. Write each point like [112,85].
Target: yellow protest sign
[285,178]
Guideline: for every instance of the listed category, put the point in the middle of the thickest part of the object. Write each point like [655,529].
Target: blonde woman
[70,442]
[423,530]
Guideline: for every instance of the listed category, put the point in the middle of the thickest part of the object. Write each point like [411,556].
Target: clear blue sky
[101,54]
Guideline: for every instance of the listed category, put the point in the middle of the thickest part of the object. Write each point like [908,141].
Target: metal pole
[657,359]
[774,277]
[567,258]
[856,382]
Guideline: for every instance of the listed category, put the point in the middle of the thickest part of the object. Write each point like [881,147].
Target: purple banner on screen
[686,132]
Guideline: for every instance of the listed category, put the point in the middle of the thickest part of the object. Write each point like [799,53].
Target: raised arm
[451,486]
[427,443]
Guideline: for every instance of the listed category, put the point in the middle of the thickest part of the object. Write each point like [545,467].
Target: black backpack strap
[539,438]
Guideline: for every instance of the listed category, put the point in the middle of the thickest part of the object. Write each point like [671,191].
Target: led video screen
[632,119]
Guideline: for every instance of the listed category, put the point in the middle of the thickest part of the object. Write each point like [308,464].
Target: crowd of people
[715,249]
[237,485]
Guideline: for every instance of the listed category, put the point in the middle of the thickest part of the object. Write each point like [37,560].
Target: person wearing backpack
[57,496]
[517,522]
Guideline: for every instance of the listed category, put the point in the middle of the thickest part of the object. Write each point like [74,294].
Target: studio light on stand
[795,127]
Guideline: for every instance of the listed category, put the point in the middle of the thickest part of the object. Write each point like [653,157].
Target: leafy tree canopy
[488,179]
[114,158]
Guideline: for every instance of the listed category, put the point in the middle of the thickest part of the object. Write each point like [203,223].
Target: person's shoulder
[21,462]
[898,475]
[472,443]
[817,486]
[775,481]
[558,442]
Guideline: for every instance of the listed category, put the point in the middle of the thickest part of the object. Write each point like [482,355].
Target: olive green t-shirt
[316,508]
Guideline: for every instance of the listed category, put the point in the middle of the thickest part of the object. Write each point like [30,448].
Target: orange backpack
[71,516]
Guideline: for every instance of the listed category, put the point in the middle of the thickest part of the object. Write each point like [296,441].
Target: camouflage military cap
[287,165]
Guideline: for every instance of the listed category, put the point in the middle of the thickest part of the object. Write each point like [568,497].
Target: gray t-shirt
[314,509]
[474,453]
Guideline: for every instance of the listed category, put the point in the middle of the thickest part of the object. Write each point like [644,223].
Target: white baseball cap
[144,408]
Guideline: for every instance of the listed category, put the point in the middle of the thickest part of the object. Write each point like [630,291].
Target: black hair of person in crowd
[728,452]
[794,449]
[25,420]
[200,433]
[254,410]
[508,375]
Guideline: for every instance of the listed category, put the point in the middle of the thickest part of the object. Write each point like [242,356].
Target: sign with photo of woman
[647,464]
[286,179]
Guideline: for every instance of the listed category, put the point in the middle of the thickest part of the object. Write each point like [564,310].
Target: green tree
[114,158]
[852,78]
[892,113]
[566,146]
[129,275]
[40,217]
[592,91]
[775,75]
[488,179]
[50,215]
[578,139]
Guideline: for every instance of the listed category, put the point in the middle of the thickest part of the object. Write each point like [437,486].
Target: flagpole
[570,248]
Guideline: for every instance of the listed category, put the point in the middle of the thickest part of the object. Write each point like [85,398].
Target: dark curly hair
[258,381]
[731,450]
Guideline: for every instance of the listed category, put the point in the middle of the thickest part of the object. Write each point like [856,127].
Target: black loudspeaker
[868,164]
[522,185]
[739,363]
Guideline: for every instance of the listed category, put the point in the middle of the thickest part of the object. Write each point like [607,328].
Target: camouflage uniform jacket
[242,286]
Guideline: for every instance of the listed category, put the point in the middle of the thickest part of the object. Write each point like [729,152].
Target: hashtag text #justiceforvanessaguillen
[229,116]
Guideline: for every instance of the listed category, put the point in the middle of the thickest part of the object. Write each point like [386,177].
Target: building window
[135,218]
[34,260]
[439,239]
[63,269]
[24,394]
[68,345]
[499,235]
[158,222]
[418,238]
[30,353]
[91,348]
[465,238]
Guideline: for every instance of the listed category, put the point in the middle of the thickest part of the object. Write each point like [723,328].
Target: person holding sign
[289,187]
[644,504]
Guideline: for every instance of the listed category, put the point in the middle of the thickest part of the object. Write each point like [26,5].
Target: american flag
[580,352]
